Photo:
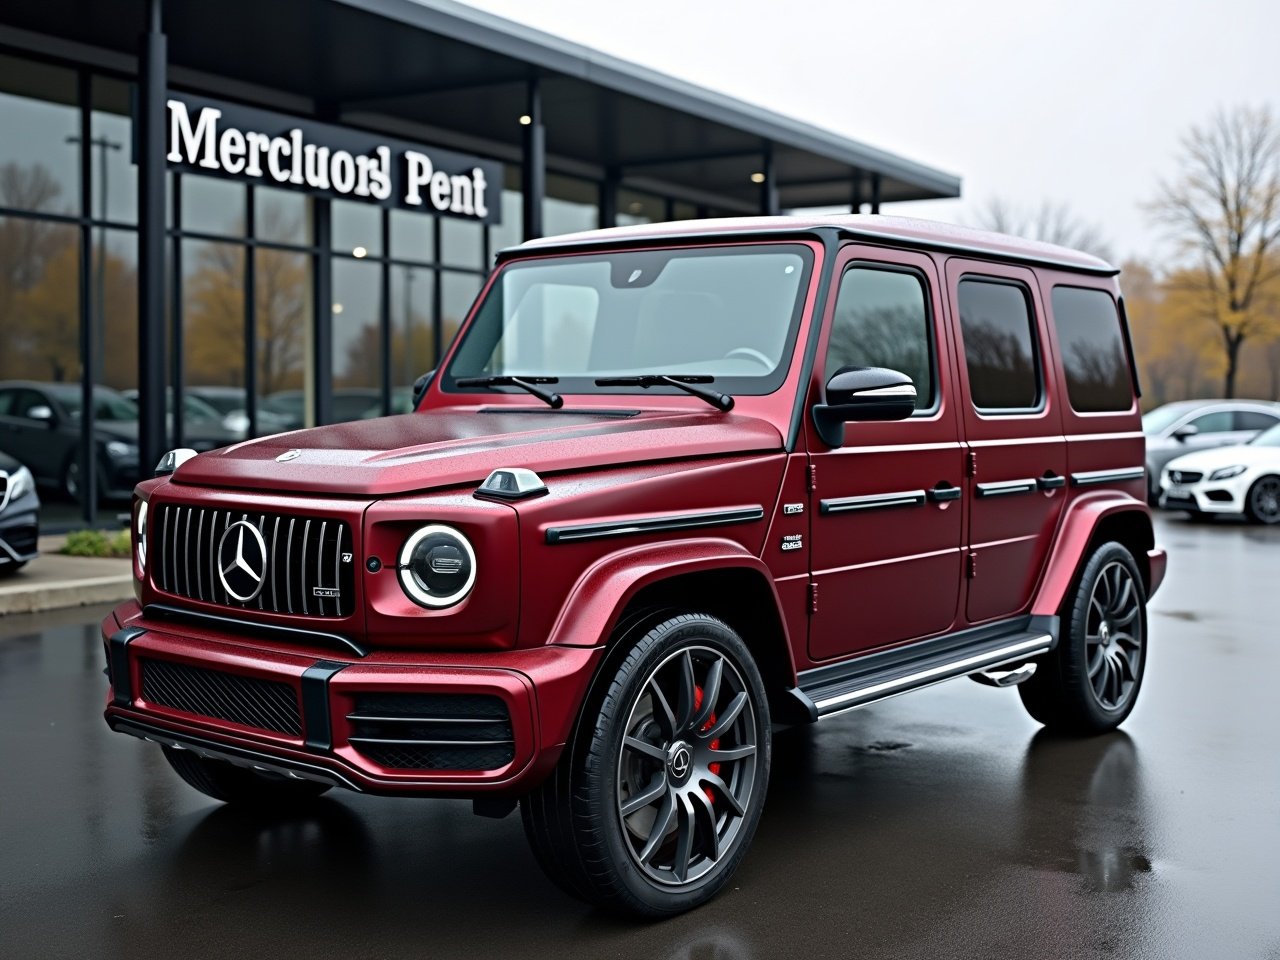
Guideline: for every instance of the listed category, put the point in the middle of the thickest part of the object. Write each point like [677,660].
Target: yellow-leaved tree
[1223,208]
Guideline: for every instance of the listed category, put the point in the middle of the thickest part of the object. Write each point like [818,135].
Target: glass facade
[251,285]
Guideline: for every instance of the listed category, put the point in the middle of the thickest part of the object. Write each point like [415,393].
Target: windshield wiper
[553,400]
[721,401]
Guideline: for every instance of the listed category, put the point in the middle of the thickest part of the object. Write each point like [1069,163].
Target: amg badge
[333,592]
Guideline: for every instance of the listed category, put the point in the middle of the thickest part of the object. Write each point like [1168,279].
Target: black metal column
[178,367]
[153,90]
[251,316]
[875,193]
[89,318]
[533,168]
[322,328]
[769,186]
[609,198]
[855,200]
[384,316]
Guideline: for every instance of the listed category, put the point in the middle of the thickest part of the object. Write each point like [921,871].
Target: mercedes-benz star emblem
[242,561]
[288,455]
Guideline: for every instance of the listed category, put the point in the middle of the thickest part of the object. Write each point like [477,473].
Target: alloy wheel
[1264,499]
[686,766]
[1113,636]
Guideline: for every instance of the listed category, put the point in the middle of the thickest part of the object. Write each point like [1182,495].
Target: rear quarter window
[1093,353]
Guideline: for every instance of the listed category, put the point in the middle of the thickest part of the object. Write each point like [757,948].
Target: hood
[1207,461]
[455,446]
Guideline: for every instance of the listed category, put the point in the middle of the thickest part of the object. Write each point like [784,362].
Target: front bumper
[20,530]
[1205,496]
[314,726]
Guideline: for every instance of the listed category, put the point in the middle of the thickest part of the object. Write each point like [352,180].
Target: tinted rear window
[999,345]
[1093,354]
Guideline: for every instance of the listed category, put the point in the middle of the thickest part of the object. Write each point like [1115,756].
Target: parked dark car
[19,516]
[40,427]
[349,403]
[200,419]
[231,403]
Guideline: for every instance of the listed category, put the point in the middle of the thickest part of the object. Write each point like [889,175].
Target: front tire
[235,785]
[1262,502]
[1089,683]
[658,795]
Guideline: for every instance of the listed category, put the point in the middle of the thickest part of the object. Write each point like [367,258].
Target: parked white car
[1243,479]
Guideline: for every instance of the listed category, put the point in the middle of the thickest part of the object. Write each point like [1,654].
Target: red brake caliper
[715,744]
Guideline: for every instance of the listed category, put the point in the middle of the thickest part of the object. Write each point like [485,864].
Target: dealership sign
[242,143]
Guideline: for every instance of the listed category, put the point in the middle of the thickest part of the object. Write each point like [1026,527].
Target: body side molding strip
[1089,478]
[1004,488]
[680,521]
[875,501]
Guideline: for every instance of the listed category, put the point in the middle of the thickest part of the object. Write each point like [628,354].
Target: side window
[882,320]
[6,401]
[999,346]
[1093,354]
[1217,422]
[1244,420]
[24,400]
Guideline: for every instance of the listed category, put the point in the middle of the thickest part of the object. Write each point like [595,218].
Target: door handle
[944,492]
[1051,481]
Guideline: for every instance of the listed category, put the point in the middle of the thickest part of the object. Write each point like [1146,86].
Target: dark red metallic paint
[533,631]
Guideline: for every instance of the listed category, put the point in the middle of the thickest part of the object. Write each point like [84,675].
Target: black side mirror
[863,393]
[420,387]
[1183,434]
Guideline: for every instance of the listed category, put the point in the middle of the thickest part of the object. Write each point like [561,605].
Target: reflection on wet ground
[936,825]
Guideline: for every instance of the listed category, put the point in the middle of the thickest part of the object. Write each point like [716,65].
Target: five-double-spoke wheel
[657,797]
[1090,681]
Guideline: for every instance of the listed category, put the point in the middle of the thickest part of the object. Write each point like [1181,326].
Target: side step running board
[879,676]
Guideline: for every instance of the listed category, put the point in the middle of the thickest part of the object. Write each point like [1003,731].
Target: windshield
[1268,438]
[107,404]
[725,312]
[1160,418]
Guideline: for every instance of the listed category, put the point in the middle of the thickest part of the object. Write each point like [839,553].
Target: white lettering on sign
[288,159]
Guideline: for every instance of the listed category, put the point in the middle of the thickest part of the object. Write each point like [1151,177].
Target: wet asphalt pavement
[936,825]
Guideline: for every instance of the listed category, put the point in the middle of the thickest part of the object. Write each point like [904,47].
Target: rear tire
[1089,683]
[236,785]
[659,792]
[9,569]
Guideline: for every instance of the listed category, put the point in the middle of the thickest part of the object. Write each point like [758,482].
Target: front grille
[432,731]
[308,560]
[265,704]
[1185,476]
[1181,502]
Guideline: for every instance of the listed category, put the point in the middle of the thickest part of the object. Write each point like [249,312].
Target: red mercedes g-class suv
[671,486]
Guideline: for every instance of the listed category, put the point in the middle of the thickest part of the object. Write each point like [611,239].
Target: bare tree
[1049,223]
[1224,210]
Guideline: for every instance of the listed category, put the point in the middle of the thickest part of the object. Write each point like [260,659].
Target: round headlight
[140,526]
[437,566]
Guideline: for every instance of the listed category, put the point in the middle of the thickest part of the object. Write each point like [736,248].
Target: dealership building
[260,215]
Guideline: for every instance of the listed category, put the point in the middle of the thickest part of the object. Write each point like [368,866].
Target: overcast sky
[1081,102]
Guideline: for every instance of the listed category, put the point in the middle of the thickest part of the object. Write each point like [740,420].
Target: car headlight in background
[140,536]
[20,483]
[1226,473]
[119,450]
[437,566]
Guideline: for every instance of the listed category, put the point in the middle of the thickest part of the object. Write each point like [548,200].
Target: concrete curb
[34,598]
